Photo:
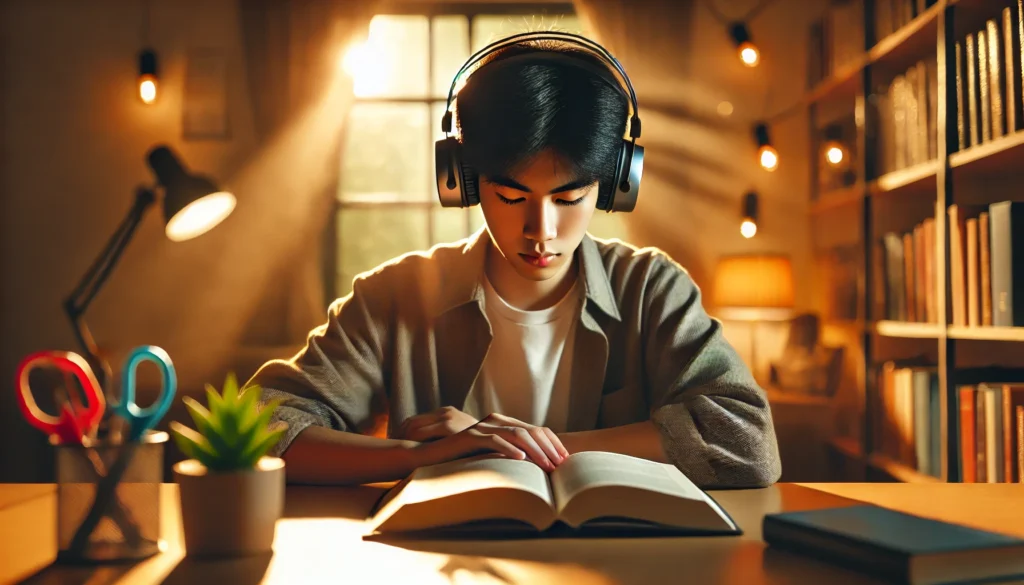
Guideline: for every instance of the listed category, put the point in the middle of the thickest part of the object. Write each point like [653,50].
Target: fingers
[556,442]
[544,442]
[522,438]
[499,445]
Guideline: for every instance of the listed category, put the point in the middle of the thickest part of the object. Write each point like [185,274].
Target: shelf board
[907,329]
[900,471]
[986,333]
[903,178]
[838,198]
[910,42]
[842,82]
[999,155]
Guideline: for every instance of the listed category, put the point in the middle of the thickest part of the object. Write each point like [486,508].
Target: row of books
[891,15]
[908,417]
[905,274]
[989,78]
[991,433]
[907,131]
[986,264]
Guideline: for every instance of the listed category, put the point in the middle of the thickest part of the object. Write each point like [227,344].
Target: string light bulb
[833,148]
[766,153]
[746,49]
[147,76]
[748,225]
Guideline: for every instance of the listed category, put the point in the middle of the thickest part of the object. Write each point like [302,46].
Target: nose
[541,221]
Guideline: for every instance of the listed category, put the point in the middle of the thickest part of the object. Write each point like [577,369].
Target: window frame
[430,10]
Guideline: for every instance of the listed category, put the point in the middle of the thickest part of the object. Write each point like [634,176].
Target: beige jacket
[412,336]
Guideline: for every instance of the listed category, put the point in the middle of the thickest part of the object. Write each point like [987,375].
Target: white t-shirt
[528,369]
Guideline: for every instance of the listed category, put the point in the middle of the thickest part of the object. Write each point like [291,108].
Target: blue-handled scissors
[141,420]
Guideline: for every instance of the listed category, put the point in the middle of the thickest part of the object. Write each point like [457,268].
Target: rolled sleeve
[714,419]
[338,377]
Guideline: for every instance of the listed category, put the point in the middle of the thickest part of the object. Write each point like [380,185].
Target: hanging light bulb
[748,226]
[147,76]
[766,153]
[745,48]
[833,148]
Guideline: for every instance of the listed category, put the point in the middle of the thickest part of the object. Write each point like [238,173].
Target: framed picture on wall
[204,103]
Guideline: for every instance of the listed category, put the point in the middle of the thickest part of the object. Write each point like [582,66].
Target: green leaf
[230,388]
[265,442]
[206,424]
[261,419]
[215,401]
[192,443]
[248,406]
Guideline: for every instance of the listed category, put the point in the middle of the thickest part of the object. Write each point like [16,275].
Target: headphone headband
[571,38]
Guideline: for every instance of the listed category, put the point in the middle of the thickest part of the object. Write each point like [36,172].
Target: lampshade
[193,204]
[754,286]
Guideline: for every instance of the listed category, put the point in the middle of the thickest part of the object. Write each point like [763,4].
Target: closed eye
[508,201]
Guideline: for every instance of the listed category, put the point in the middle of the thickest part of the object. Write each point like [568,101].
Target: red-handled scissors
[76,422]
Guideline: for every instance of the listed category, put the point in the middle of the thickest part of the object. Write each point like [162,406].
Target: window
[387,201]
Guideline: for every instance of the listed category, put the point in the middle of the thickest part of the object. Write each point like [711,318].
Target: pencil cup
[108,500]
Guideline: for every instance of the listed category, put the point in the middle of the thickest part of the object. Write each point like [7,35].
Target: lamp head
[193,204]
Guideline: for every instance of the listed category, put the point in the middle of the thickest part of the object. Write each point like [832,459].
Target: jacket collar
[465,284]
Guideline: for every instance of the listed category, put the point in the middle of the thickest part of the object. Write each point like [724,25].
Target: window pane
[451,49]
[370,237]
[386,155]
[393,60]
[490,28]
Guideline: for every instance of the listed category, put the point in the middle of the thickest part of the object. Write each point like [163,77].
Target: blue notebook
[899,547]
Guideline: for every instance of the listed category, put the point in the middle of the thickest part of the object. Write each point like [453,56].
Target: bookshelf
[906,184]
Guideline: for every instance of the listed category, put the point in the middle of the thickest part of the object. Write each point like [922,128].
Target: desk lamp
[754,288]
[192,205]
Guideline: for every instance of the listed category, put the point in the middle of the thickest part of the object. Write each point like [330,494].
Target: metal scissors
[77,423]
[139,421]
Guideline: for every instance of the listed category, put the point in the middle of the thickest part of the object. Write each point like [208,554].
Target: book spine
[958,294]
[1008,427]
[961,118]
[1020,444]
[983,87]
[999,224]
[995,90]
[1012,71]
[973,115]
[968,442]
[972,273]
[908,277]
[993,435]
[980,434]
[985,268]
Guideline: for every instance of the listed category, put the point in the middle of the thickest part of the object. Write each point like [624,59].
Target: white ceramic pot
[232,513]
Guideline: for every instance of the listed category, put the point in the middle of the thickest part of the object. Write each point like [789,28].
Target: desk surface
[319,541]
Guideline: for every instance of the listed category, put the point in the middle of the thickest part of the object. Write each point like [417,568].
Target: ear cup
[625,187]
[470,185]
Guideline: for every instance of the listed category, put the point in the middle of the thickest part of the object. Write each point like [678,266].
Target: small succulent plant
[233,433]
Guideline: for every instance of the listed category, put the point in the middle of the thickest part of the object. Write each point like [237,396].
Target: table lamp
[754,288]
[192,205]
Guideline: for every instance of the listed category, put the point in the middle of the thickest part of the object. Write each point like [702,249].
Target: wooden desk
[319,542]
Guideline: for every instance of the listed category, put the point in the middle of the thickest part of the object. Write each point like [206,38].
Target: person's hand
[436,424]
[541,444]
[505,436]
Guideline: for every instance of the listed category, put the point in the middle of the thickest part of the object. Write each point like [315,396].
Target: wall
[74,138]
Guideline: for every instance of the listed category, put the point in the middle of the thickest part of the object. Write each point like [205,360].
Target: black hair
[508,113]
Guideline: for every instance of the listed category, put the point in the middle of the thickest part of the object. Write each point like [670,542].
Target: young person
[530,338]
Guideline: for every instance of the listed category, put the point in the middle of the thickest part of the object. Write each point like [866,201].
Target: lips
[539,260]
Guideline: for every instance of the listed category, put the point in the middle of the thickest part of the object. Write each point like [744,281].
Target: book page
[595,468]
[468,490]
[615,489]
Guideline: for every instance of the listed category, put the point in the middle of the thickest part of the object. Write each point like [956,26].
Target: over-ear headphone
[458,184]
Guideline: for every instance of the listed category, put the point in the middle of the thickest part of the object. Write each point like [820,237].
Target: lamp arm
[78,301]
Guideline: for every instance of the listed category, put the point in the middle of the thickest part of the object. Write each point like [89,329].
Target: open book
[590,492]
